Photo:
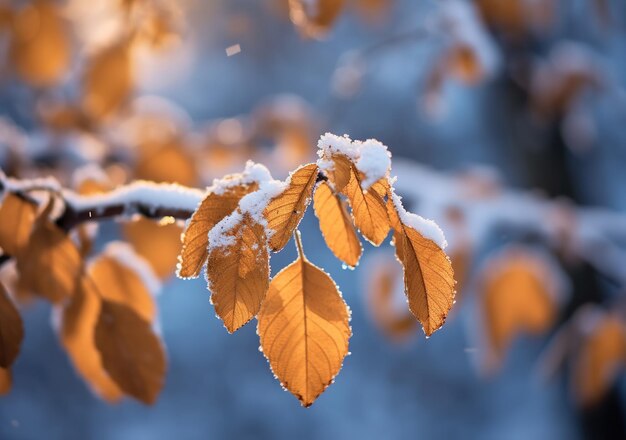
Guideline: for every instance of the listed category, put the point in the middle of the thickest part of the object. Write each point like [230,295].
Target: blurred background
[506,121]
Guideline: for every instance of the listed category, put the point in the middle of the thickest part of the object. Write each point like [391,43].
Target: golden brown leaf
[428,277]
[122,284]
[601,357]
[516,299]
[238,274]
[40,45]
[368,211]
[78,324]
[284,212]
[304,329]
[211,211]
[339,176]
[132,353]
[11,330]
[314,18]
[51,263]
[18,217]
[167,163]
[336,226]
[108,80]
[158,244]
[5,381]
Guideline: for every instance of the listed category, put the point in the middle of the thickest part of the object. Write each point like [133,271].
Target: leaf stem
[298,238]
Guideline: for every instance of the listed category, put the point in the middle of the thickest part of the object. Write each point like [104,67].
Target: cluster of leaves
[302,319]
[104,307]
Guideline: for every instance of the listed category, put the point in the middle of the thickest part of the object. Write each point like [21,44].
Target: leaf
[284,212]
[339,176]
[601,357]
[314,18]
[159,244]
[516,299]
[428,277]
[368,210]
[238,274]
[106,278]
[51,263]
[11,330]
[168,162]
[132,354]
[40,48]
[304,329]
[120,283]
[6,381]
[78,324]
[211,211]
[389,313]
[336,225]
[107,81]
[18,217]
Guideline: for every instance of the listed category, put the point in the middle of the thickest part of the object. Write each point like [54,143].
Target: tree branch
[596,236]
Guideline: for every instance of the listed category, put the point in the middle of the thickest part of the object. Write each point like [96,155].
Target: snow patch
[374,163]
[371,157]
[252,204]
[254,172]
[427,228]
[155,195]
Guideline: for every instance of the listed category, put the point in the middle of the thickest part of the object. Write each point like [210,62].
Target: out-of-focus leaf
[601,357]
[6,381]
[304,329]
[18,217]
[516,298]
[284,212]
[132,353]
[77,333]
[50,263]
[118,282]
[40,48]
[169,162]
[108,80]
[384,307]
[159,244]
[314,18]
[238,274]
[105,279]
[336,225]
[11,330]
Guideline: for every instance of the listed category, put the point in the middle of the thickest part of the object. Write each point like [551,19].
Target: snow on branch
[596,236]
